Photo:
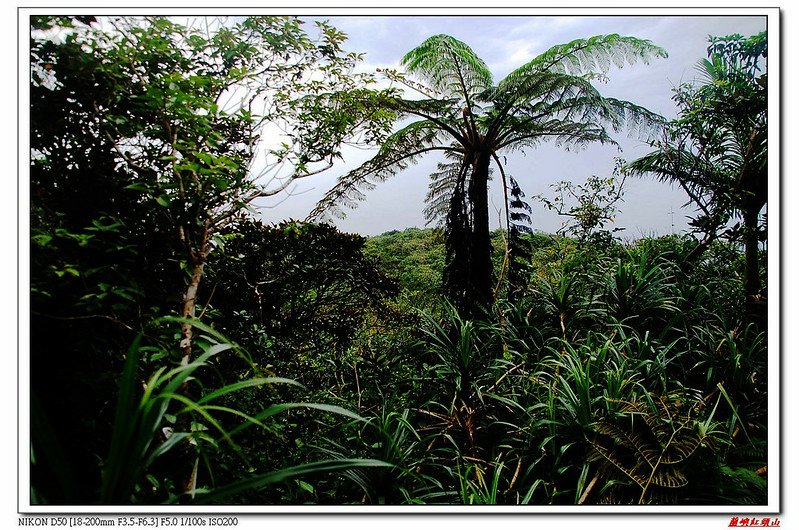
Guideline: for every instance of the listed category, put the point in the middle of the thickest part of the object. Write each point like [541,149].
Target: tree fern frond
[442,107]
[399,151]
[594,55]
[548,95]
[449,66]
[440,190]
[583,57]
[541,86]
[573,99]
[637,119]
[564,133]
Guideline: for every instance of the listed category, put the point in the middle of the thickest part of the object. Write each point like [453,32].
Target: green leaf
[266,479]
[259,381]
[280,408]
[42,239]
[138,186]
[205,157]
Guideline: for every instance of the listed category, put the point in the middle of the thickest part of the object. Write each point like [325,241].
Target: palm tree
[463,114]
[717,149]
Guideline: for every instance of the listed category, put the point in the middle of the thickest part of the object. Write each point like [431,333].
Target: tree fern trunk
[481,270]
[468,274]
[457,242]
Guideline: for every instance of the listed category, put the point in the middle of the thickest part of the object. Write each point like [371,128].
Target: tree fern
[442,185]
[586,57]
[402,149]
[463,113]
[449,66]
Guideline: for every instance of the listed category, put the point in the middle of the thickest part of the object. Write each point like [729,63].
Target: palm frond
[667,166]
[694,173]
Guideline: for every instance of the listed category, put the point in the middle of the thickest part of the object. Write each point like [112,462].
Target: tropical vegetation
[472,122]
[184,351]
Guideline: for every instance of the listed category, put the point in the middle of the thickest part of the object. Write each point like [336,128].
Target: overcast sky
[505,43]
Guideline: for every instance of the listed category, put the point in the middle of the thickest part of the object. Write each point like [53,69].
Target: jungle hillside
[184,350]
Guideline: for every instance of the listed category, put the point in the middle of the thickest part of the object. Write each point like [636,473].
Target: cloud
[506,43]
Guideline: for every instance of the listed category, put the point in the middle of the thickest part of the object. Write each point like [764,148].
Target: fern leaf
[449,66]
[400,150]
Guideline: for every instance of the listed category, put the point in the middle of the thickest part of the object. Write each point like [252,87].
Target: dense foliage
[463,115]
[184,352]
[717,151]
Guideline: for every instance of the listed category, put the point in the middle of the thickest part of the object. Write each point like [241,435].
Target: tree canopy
[717,149]
[146,142]
[463,114]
